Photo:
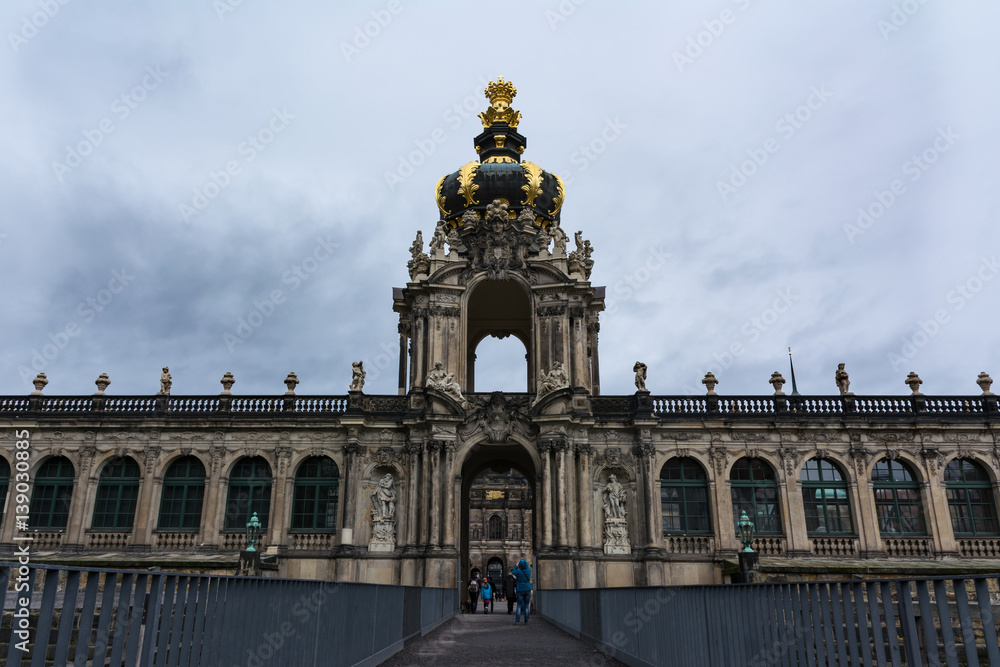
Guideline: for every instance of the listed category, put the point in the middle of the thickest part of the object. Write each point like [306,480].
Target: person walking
[487,592]
[510,590]
[522,574]
[474,593]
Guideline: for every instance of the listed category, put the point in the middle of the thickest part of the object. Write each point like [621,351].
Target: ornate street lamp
[747,529]
[253,532]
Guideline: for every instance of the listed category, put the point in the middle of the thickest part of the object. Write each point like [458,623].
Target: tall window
[755,491]
[4,482]
[117,495]
[53,489]
[897,499]
[183,494]
[315,503]
[684,497]
[970,499]
[824,494]
[249,492]
[496,528]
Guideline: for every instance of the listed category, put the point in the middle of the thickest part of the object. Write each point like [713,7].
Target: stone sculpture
[777,381]
[554,380]
[40,381]
[640,376]
[843,380]
[165,382]
[227,382]
[438,240]
[710,382]
[102,383]
[357,376]
[383,515]
[443,381]
[984,381]
[913,381]
[420,263]
[559,239]
[291,381]
[615,525]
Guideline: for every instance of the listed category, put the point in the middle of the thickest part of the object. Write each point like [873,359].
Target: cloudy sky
[752,175]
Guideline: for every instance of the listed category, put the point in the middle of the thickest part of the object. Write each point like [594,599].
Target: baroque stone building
[622,490]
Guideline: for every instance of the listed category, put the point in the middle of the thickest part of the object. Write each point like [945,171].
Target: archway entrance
[498,510]
[498,308]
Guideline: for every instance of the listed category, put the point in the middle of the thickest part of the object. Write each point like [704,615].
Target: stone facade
[320,468]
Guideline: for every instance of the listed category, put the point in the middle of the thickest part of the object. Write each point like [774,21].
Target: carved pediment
[497,416]
[496,244]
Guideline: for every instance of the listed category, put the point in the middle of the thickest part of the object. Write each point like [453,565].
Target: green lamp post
[253,532]
[747,529]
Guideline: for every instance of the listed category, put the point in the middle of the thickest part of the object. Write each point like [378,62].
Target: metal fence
[75,616]
[928,621]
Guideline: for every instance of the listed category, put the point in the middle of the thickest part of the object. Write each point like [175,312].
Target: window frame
[822,485]
[171,484]
[259,495]
[113,487]
[685,485]
[61,487]
[895,487]
[303,485]
[755,485]
[965,486]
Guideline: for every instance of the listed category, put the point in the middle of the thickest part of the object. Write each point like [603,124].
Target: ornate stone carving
[291,381]
[984,381]
[497,417]
[777,381]
[719,456]
[419,263]
[710,383]
[612,458]
[217,453]
[440,380]
[383,456]
[791,458]
[284,455]
[615,524]
[151,454]
[438,240]
[383,513]
[932,459]
[102,382]
[554,380]
[40,381]
[497,244]
[640,376]
[357,376]
[227,382]
[559,239]
[913,381]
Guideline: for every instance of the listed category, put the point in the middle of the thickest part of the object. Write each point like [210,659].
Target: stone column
[402,363]
[78,519]
[865,519]
[562,497]
[214,504]
[939,519]
[546,508]
[282,498]
[413,450]
[434,451]
[798,539]
[449,495]
[419,344]
[645,452]
[586,496]
[595,363]
[351,452]
[145,512]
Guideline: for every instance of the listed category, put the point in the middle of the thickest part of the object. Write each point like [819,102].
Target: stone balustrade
[979,547]
[689,544]
[108,540]
[312,541]
[177,541]
[908,547]
[834,547]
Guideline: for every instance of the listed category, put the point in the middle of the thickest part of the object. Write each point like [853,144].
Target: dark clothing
[523,574]
[510,587]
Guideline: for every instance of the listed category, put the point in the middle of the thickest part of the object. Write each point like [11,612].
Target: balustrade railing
[835,547]
[770,545]
[908,547]
[109,540]
[979,547]
[312,541]
[46,539]
[176,541]
[689,544]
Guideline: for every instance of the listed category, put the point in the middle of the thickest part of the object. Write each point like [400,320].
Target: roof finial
[795,389]
[500,93]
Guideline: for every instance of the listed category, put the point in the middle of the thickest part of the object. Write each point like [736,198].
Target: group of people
[516,589]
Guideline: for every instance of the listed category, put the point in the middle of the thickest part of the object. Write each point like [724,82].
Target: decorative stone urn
[777,382]
[102,383]
[710,382]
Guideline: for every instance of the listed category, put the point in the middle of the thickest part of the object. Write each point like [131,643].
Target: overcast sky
[752,175]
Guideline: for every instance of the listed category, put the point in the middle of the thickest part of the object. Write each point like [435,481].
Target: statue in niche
[640,376]
[554,380]
[165,382]
[384,499]
[444,382]
[843,380]
[357,376]
[438,240]
[615,496]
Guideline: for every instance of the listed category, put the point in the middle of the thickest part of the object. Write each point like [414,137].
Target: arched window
[755,491]
[117,495]
[684,497]
[249,492]
[824,494]
[183,494]
[496,528]
[4,482]
[50,498]
[315,503]
[970,499]
[897,499]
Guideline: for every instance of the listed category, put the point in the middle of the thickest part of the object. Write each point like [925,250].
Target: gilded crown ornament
[500,94]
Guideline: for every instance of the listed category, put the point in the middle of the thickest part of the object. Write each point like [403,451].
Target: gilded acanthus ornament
[466,187]
[533,187]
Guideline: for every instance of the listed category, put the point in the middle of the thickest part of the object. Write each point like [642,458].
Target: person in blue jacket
[522,573]
[487,594]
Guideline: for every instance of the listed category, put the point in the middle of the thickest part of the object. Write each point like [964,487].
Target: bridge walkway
[493,639]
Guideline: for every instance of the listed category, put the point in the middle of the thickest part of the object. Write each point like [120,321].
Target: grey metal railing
[929,621]
[79,616]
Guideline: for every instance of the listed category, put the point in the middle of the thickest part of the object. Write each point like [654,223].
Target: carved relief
[497,417]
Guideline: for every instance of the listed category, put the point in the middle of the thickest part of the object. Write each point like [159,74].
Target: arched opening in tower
[498,312]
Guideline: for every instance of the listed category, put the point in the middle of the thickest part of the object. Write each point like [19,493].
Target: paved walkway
[468,640]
